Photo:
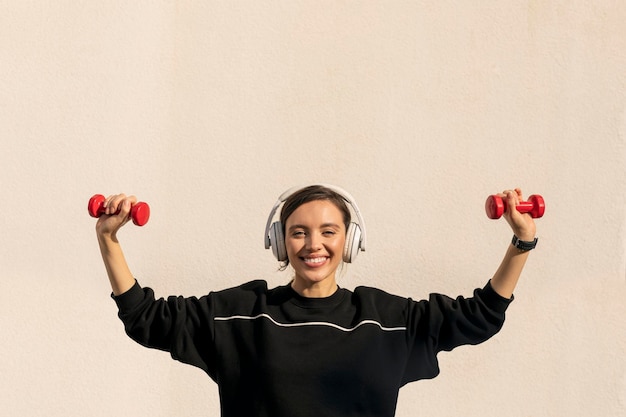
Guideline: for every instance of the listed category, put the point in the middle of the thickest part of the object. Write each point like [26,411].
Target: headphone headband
[343,193]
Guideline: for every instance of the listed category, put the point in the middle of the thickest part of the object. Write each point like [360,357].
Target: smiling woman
[317,233]
[363,345]
[315,237]
[294,198]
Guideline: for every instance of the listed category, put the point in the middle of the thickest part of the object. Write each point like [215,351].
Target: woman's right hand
[116,214]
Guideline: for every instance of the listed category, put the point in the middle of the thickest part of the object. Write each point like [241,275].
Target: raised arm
[107,227]
[506,277]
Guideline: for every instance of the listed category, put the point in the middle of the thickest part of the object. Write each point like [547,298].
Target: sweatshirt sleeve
[465,321]
[181,326]
[442,323]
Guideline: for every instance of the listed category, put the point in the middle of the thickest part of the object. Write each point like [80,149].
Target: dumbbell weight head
[139,212]
[494,207]
[538,206]
[96,205]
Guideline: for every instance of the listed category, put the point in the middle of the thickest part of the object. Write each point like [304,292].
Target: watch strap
[524,245]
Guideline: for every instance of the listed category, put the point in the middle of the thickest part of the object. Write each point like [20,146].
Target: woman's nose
[313,242]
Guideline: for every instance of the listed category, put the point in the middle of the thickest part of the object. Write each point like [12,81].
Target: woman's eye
[329,233]
[297,233]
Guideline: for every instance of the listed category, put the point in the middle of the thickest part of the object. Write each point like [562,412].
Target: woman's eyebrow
[297,226]
[335,225]
[323,225]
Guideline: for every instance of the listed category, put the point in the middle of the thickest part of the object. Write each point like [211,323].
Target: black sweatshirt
[274,353]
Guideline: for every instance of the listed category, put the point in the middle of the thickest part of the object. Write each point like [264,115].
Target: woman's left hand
[522,224]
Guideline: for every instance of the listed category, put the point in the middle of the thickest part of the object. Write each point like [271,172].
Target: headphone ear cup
[277,241]
[353,243]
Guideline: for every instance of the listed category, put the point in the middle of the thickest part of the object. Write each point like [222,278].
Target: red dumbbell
[139,212]
[495,206]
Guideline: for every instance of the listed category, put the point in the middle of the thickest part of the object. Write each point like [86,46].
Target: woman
[310,348]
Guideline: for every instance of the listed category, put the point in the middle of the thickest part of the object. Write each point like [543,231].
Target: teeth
[314,260]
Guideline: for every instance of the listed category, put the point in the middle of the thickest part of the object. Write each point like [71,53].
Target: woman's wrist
[523,245]
[106,239]
[527,235]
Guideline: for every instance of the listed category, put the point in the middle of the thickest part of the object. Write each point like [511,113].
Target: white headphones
[355,235]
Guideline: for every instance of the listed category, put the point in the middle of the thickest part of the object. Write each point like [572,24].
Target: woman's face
[314,237]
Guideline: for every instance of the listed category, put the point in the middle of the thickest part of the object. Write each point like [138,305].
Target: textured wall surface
[208,110]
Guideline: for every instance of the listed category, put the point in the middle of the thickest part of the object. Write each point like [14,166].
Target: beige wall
[208,110]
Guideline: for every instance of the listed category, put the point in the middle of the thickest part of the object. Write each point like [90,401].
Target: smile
[315,261]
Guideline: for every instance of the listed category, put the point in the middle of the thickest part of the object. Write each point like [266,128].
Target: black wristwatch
[523,245]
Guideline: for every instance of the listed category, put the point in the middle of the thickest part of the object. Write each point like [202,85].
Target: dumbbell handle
[495,206]
[139,212]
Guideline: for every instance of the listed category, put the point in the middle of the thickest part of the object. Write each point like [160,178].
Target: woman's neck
[322,289]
